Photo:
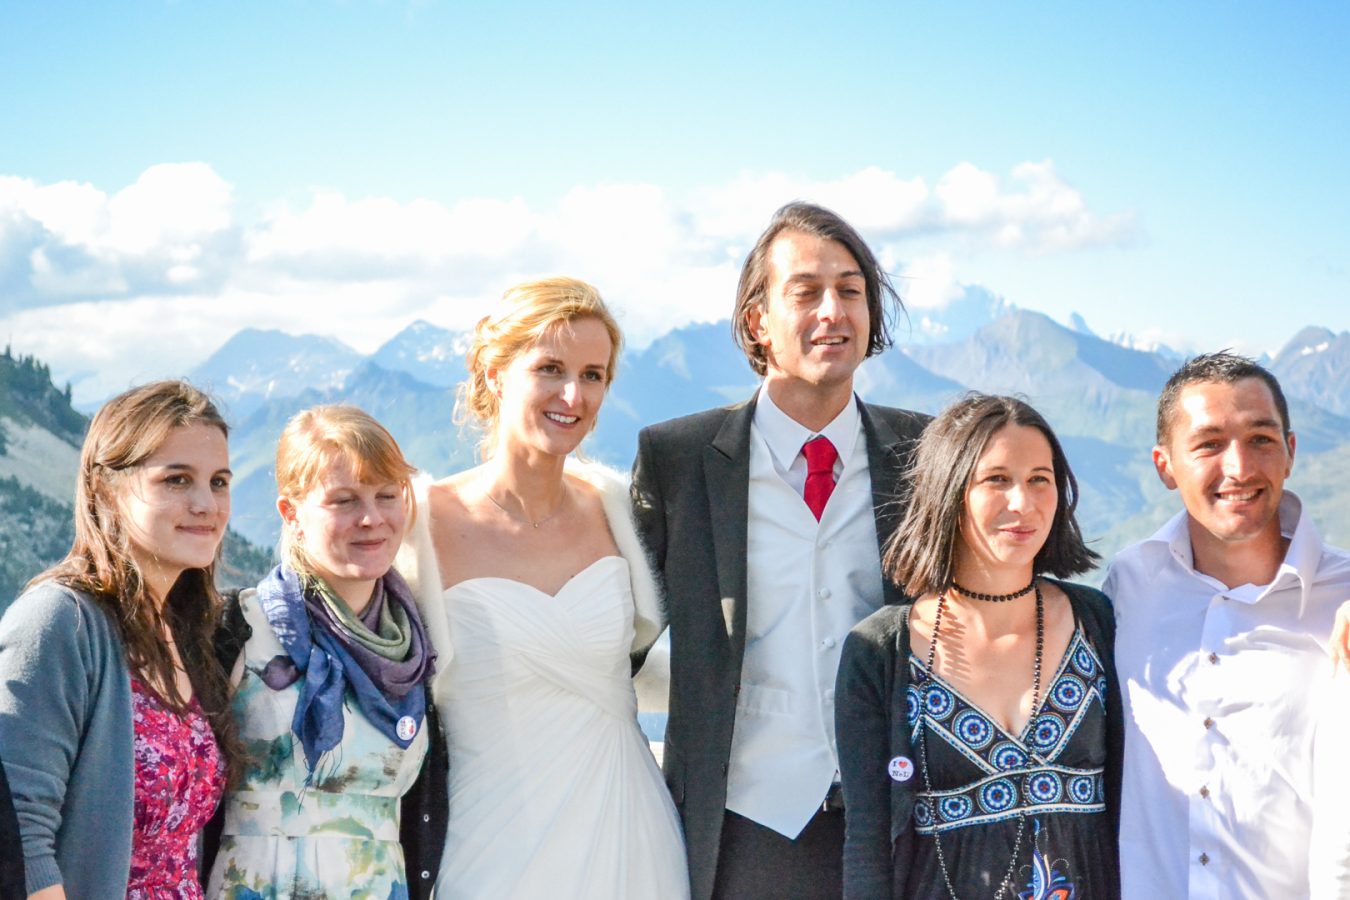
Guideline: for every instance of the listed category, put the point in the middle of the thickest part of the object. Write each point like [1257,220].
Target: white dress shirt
[1232,716]
[807,584]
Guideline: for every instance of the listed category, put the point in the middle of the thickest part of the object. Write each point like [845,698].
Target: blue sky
[170,172]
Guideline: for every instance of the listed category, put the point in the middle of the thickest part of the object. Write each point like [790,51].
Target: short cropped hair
[753,291]
[1223,367]
[920,556]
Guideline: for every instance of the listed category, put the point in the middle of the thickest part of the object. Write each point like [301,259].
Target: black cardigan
[871,730]
[12,885]
[424,813]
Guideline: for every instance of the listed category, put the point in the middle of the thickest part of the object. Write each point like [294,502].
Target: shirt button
[1204,792]
[1204,859]
[829,695]
[828,643]
[823,593]
[1214,658]
[1209,723]
[425,874]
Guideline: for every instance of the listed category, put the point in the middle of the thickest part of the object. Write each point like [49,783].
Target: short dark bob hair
[753,291]
[1223,367]
[920,556]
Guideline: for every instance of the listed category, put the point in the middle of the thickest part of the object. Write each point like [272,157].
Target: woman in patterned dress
[112,710]
[979,726]
[332,698]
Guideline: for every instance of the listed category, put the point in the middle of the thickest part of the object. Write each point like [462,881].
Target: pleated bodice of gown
[553,789]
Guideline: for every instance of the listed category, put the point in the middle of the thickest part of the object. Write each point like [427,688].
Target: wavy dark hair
[123,434]
[920,555]
[753,290]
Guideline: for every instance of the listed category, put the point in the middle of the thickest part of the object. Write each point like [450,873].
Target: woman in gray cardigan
[979,727]
[112,711]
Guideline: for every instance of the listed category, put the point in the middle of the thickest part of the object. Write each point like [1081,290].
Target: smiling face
[348,531]
[1226,453]
[174,506]
[814,324]
[1009,507]
[551,393]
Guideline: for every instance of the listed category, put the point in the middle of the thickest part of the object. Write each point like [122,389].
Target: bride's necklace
[1035,703]
[522,519]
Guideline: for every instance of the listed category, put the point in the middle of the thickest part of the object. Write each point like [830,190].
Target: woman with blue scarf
[332,699]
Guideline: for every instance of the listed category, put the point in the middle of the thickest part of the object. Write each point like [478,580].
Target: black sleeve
[424,812]
[11,847]
[649,511]
[862,731]
[228,642]
[649,514]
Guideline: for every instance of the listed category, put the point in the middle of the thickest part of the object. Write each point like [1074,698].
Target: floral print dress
[335,836]
[180,775]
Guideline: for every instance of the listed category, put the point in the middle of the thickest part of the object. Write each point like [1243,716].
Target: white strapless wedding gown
[553,790]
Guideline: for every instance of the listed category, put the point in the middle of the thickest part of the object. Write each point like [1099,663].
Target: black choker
[996,598]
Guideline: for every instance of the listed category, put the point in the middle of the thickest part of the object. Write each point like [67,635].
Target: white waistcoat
[808,583]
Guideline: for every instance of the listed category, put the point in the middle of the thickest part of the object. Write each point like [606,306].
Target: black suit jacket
[691,499]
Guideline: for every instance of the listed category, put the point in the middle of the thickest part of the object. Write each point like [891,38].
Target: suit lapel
[726,465]
[885,466]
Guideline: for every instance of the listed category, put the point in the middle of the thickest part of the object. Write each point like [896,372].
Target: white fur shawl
[416,562]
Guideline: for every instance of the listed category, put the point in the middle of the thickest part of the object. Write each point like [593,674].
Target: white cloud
[929,282]
[1041,213]
[151,279]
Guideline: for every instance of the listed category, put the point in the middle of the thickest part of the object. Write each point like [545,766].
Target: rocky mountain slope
[40,436]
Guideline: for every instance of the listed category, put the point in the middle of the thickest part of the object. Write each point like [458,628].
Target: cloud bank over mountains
[116,287]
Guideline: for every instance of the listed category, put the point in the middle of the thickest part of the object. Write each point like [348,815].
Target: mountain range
[1099,394]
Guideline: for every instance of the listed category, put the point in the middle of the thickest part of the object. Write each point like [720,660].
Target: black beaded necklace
[995,598]
[1035,704]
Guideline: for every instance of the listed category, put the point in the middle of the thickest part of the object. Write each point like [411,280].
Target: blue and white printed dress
[290,837]
[984,780]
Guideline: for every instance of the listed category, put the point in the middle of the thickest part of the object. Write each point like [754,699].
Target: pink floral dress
[180,775]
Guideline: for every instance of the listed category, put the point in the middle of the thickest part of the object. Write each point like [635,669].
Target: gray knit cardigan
[66,740]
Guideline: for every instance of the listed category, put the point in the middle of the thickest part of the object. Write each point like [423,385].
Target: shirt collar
[785,435]
[1301,560]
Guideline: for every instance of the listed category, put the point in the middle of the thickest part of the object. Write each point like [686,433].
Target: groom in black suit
[765,521]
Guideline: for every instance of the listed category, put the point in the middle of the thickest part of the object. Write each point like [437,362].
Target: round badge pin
[407,727]
[901,769]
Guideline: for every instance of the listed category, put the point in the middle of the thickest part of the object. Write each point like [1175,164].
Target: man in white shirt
[1235,780]
[765,521]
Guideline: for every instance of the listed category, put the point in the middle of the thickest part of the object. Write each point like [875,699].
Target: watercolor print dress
[987,784]
[336,837]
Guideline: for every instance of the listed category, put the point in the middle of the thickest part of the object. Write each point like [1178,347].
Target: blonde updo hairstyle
[525,314]
[314,440]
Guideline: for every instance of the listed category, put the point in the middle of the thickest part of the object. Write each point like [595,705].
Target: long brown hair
[124,433]
[752,292]
[920,556]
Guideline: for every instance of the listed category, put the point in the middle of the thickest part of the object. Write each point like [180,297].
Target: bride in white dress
[529,566]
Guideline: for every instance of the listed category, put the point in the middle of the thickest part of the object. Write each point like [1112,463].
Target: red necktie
[820,456]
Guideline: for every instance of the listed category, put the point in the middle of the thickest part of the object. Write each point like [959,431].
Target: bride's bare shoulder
[450,497]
